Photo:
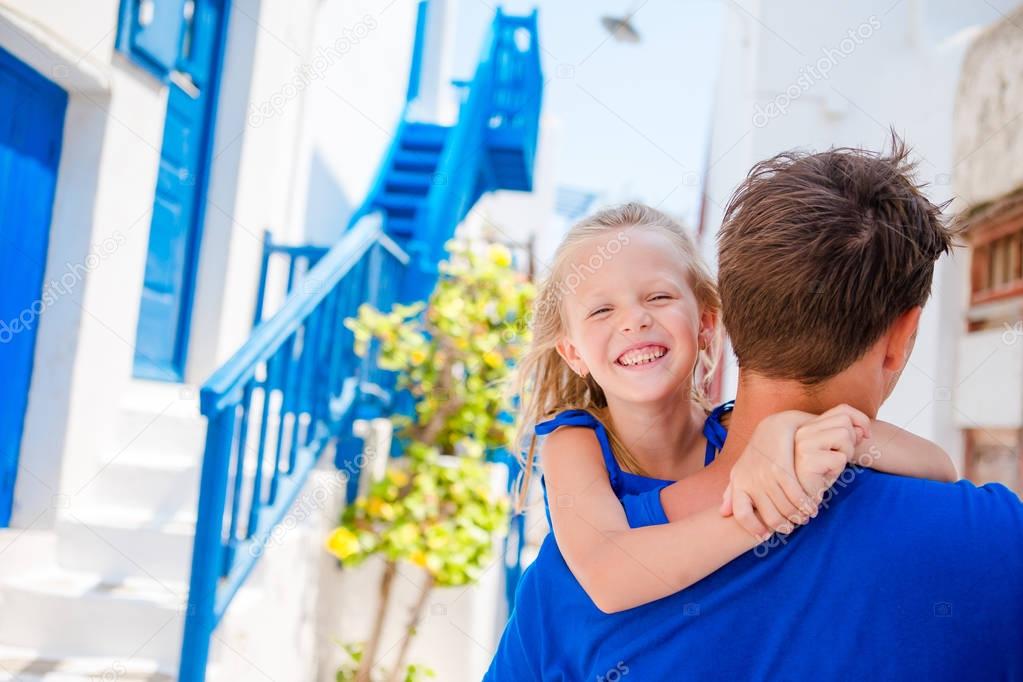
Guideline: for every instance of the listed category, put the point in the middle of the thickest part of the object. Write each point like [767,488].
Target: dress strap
[715,432]
[584,418]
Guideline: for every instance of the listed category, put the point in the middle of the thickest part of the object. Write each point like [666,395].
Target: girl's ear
[567,351]
[708,322]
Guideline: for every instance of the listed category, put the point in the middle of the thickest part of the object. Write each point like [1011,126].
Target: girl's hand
[792,458]
[825,444]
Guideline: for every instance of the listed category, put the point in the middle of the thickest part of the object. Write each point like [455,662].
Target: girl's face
[633,320]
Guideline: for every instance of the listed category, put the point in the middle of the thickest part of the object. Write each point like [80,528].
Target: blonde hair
[543,381]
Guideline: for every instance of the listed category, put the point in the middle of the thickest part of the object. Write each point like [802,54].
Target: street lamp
[621,28]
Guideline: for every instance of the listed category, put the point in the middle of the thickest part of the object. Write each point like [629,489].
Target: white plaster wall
[312,95]
[989,394]
[351,111]
[731,134]
[988,133]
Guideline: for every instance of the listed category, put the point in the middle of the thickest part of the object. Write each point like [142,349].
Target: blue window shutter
[159,40]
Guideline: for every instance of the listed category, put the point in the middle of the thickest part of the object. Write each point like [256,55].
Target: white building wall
[313,94]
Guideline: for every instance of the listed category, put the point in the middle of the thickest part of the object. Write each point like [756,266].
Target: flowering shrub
[454,355]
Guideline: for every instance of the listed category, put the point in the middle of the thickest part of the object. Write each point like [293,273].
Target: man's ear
[567,350]
[901,337]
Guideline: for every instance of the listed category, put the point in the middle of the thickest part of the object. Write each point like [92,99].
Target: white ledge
[51,55]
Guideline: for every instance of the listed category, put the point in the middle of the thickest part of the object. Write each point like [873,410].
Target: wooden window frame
[1002,235]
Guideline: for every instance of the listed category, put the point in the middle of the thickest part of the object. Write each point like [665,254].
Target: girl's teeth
[641,359]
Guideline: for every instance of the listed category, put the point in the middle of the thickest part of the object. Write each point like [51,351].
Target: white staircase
[103,595]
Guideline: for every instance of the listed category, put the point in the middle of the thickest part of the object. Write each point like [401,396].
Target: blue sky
[635,118]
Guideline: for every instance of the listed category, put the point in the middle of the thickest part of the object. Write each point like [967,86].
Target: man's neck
[757,398]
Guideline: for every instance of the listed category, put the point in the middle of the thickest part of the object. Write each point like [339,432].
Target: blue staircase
[295,386]
[410,176]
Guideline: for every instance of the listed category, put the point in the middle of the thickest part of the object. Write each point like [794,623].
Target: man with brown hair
[825,263]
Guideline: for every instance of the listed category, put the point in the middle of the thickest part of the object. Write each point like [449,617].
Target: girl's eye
[660,296]
[598,311]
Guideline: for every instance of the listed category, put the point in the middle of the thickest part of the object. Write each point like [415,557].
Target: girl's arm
[618,566]
[897,451]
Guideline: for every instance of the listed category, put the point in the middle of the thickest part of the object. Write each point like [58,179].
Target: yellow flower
[418,557]
[380,509]
[398,477]
[418,357]
[406,534]
[342,543]
[499,255]
[493,358]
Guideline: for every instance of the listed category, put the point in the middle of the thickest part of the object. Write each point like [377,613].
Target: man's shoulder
[911,491]
[920,512]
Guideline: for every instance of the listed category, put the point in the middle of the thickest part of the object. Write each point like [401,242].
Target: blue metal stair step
[399,204]
[406,160]
[506,139]
[401,227]
[398,182]
[424,136]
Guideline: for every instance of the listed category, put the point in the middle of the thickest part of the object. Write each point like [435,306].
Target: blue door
[178,208]
[31,126]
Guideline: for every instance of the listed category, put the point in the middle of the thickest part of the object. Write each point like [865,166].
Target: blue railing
[297,259]
[513,126]
[271,411]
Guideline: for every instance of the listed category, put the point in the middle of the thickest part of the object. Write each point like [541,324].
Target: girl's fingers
[830,424]
[767,511]
[726,501]
[858,418]
[742,510]
[787,513]
[819,484]
[796,495]
[841,438]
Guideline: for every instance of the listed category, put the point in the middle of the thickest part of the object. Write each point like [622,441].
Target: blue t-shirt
[897,578]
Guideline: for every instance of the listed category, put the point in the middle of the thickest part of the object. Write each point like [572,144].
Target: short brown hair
[820,253]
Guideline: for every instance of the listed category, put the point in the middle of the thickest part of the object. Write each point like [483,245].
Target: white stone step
[162,484]
[25,665]
[59,615]
[161,418]
[28,665]
[165,484]
[122,542]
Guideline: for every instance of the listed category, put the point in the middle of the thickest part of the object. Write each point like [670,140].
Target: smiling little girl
[624,333]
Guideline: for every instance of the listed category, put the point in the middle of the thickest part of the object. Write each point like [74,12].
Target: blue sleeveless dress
[635,491]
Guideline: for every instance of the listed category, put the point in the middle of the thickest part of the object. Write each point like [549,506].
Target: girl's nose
[637,320]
